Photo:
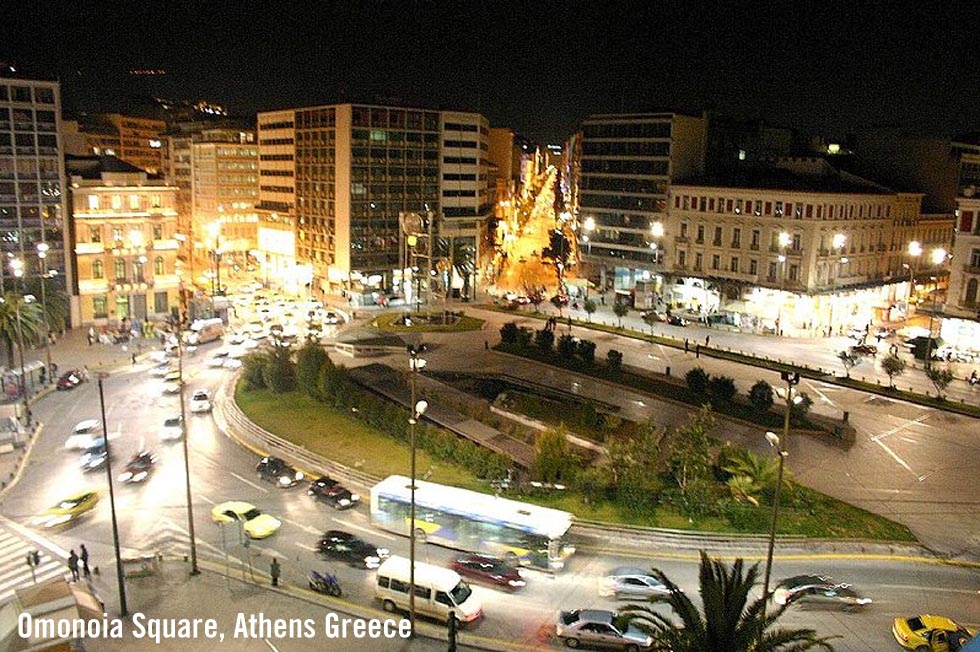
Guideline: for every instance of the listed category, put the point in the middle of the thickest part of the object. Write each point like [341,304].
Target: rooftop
[820,177]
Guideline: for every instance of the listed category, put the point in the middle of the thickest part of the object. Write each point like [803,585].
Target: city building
[138,141]
[628,162]
[32,183]
[336,182]
[124,227]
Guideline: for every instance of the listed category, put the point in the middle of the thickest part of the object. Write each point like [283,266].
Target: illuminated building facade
[124,226]
[32,180]
[334,179]
[138,141]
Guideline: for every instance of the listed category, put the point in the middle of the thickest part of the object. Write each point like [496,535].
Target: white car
[162,369]
[171,430]
[237,338]
[232,363]
[83,435]
[217,359]
[200,401]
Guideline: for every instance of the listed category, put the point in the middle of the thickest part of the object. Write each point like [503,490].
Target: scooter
[974,379]
[325,583]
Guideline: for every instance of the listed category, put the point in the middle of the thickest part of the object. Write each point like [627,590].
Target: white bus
[203,331]
[468,520]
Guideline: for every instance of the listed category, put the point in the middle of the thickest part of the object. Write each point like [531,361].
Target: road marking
[938,589]
[906,424]
[271,646]
[302,526]
[305,547]
[895,456]
[364,529]
[250,483]
[205,498]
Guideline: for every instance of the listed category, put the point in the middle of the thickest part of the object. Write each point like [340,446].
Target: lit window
[134,202]
[93,202]
[98,270]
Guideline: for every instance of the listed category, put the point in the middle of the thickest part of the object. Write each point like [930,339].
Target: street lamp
[589,227]
[415,364]
[17,267]
[657,232]
[784,241]
[914,250]
[112,501]
[183,436]
[791,379]
[214,229]
[42,254]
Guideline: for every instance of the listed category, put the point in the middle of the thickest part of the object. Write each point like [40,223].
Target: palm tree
[30,325]
[730,623]
[55,300]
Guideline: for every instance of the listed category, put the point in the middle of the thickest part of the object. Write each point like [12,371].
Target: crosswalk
[15,573]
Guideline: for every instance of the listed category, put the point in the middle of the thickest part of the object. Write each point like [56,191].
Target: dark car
[819,590]
[139,468]
[344,546]
[95,456]
[275,470]
[490,570]
[330,491]
[71,379]
[864,349]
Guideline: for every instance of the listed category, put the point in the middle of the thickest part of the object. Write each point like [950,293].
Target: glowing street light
[938,256]
[839,240]
[657,229]
[915,248]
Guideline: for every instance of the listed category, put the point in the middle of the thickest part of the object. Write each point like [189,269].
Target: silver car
[630,583]
[596,628]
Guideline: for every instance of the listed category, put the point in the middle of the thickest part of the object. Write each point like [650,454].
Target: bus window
[398,585]
[423,592]
[443,598]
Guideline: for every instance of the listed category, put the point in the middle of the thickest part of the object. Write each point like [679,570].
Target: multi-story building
[334,181]
[627,164]
[123,227]
[963,295]
[32,181]
[138,141]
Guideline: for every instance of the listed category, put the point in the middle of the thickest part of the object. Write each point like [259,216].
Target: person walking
[73,565]
[84,558]
[274,571]
[91,335]
[707,340]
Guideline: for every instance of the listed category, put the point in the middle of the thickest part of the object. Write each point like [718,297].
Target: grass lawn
[386,321]
[339,437]
[343,439]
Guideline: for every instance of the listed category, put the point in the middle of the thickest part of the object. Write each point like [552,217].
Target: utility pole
[112,502]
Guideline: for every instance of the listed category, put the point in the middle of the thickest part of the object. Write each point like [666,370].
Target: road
[154,515]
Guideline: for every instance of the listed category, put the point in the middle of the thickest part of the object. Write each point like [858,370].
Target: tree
[697,379]
[940,379]
[552,460]
[308,362]
[634,465]
[279,373]
[544,340]
[29,326]
[253,370]
[893,366]
[536,299]
[614,359]
[761,396]
[800,408]
[620,310]
[722,388]
[848,361]
[690,454]
[566,346]
[55,301]
[728,621]
[761,471]
[509,332]
[589,307]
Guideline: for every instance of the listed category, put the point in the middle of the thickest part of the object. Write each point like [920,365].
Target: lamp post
[784,241]
[792,379]
[17,267]
[914,251]
[415,364]
[589,227]
[839,242]
[183,437]
[42,254]
[112,501]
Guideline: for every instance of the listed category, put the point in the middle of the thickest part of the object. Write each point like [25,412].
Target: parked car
[161,369]
[929,633]
[864,349]
[597,628]
[200,401]
[172,429]
[630,583]
[71,379]
[330,491]
[84,435]
[490,570]
[217,359]
[818,590]
[858,334]
[139,468]
[330,317]
[276,470]
[343,546]
[674,320]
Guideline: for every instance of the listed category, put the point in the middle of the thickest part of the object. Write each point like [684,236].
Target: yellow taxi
[254,523]
[927,633]
[67,510]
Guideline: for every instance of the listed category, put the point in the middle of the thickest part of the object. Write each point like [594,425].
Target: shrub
[544,340]
[893,366]
[761,396]
[253,366]
[589,307]
[566,346]
[552,460]
[615,360]
[523,338]
[308,362]
[586,351]
[697,379]
[940,379]
[509,332]
[798,411]
[279,375]
[620,310]
[722,388]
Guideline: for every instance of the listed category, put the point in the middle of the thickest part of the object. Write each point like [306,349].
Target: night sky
[537,66]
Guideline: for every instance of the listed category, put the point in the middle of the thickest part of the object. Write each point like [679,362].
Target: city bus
[206,330]
[520,533]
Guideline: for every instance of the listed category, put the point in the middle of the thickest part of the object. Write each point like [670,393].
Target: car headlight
[125,477]
[354,498]
[139,477]
[343,501]
[284,480]
[299,475]
[864,601]
[372,562]
[383,552]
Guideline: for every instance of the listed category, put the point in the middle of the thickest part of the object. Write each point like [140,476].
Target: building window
[794,272]
[100,308]
[155,201]
[683,229]
[736,238]
[975,258]
[134,202]
[717,241]
[697,261]
[98,270]
[733,264]
[122,307]
[160,302]
[117,234]
[120,268]
[681,258]
[716,262]
[157,232]
[158,267]
[93,202]
[753,267]
[756,236]
[116,202]
[772,271]
[779,209]
[700,238]
[797,242]
[94,234]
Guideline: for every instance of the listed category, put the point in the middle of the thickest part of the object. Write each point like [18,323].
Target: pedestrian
[486,345]
[73,566]
[707,340]
[84,558]
[697,351]
[274,571]
[134,358]
[91,335]
[687,345]
[602,299]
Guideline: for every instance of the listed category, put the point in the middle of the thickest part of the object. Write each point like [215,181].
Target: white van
[438,591]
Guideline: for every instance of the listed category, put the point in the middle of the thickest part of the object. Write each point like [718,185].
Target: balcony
[166,245]
[681,239]
[93,286]
[971,269]
[89,248]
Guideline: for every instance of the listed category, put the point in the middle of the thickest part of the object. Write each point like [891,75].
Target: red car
[71,379]
[490,570]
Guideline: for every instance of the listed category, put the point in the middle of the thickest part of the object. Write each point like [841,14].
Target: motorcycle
[325,583]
